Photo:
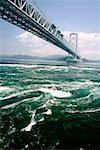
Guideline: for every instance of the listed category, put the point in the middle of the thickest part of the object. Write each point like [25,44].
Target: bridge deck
[23,15]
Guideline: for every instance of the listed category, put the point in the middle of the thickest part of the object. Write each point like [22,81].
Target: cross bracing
[25,16]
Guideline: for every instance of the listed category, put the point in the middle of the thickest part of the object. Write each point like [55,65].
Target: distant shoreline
[45,62]
[31,62]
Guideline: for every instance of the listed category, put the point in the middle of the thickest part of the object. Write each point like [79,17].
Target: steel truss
[23,15]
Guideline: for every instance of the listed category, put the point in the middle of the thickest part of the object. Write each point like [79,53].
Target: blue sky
[73,15]
[81,16]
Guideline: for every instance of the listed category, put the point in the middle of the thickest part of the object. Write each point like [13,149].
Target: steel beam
[23,15]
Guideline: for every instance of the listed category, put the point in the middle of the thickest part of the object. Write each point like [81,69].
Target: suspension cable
[40,11]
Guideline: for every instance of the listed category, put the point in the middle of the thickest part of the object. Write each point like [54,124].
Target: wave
[20,96]
[48,112]
[4,88]
[33,121]
[85,111]
[55,68]
[18,65]
[14,104]
[16,94]
[55,93]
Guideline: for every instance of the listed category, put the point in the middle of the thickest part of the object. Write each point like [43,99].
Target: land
[27,59]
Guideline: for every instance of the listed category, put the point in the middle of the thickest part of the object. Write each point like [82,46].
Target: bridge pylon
[24,15]
[73,40]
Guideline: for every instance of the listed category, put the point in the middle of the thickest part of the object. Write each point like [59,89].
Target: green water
[49,106]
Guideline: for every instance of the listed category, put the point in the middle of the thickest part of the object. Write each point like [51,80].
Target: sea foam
[33,122]
[3,88]
[55,93]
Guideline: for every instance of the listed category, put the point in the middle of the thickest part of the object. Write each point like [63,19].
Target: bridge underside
[15,16]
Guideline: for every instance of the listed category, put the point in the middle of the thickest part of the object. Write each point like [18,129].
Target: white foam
[75,85]
[83,68]
[29,127]
[42,119]
[51,101]
[26,146]
[92,110]
[16,94]
[3,88]
[33,122]
[18,65]
[88,69]
[48,112]
[85,111]
[55,68]
[15,104]
[18,102]
[55,93]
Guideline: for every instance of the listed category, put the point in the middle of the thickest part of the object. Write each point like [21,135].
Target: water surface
[50,106]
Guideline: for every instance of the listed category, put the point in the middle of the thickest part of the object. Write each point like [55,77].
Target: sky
[79,16]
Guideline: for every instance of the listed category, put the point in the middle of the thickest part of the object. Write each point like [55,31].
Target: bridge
[27,17]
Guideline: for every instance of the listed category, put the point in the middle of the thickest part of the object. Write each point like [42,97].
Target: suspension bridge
[28,17]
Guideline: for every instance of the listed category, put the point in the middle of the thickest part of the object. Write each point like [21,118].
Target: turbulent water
[49,106]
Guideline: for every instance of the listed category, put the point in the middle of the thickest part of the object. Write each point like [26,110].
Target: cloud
[88,44]
[39,46]
[30,39]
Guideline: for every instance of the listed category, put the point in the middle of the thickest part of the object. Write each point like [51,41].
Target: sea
[50,106]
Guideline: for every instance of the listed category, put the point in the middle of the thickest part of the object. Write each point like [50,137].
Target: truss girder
[23,15]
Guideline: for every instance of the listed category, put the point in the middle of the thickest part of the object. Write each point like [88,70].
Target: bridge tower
[31,19]
[73,40]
